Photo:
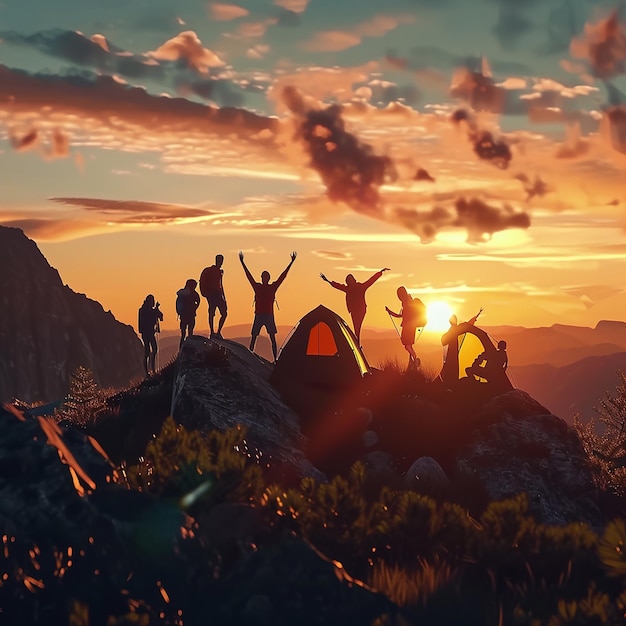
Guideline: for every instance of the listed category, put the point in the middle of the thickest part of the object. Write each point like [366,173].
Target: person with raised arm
[264,296]
[355,297]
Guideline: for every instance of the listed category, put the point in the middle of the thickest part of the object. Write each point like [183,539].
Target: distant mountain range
[47,330]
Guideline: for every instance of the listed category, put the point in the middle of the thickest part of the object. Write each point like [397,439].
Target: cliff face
[47,330]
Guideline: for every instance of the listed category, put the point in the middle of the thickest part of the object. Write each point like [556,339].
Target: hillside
[47,330]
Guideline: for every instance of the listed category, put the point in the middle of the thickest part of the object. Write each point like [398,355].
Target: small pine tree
[605,442]
[84,401]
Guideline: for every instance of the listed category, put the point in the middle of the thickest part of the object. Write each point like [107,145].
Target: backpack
[184,303]
[419,311]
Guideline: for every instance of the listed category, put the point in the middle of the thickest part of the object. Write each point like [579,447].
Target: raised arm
[392,313]
[246,270]
[332,283]
[368,283]
[282,277]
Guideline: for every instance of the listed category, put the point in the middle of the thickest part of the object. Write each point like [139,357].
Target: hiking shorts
[217,301]
[408,335]
[264,319]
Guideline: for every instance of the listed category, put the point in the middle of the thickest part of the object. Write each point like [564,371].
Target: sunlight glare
[439,313]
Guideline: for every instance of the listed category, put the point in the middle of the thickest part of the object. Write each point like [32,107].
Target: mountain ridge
[47,330]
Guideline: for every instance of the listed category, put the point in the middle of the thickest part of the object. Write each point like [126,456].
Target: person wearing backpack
[264,296]
[149,317]
[212,289]
[355,297]
[413,315]
[187,302]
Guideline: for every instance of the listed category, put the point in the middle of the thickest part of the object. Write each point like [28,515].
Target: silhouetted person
[149,317]
[413,316]
[355,297]
[489,368]
[264,296]
[187,302]
[212,289]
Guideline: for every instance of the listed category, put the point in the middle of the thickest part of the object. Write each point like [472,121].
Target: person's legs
[183,326]
[254,333]
[357,322]
[146,352]
[412,356]
[274,348]
[153,352]
[211,317]
[223,314]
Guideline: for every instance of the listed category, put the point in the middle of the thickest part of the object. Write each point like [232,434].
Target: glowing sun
[438,316]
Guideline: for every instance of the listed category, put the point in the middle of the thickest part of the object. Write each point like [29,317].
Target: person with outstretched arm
[264,296]
[355,297]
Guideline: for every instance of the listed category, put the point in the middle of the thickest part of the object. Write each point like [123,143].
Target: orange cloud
[337,40]
[226,12]
[186,46]
[297,6]
[603,45]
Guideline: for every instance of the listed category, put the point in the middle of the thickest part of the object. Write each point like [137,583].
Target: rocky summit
[47,330]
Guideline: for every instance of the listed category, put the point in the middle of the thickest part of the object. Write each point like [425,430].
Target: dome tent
[321,351]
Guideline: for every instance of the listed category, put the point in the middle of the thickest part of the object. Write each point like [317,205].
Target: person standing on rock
[264,296]
[413,315]
[355,297]
[187,302]
[212,288]
[149,318]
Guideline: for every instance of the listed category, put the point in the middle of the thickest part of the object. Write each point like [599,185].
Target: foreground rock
[221,384]
[520,447]
[47,330]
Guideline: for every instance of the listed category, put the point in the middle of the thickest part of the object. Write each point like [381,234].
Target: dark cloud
[425,224]
[217,90]
[535,187]
[422,174]
[134,211]
[479,219]
[486,146]
[80,50]
[101,97]
[564,21]
[287,18]
[603,45]
[349,169]
[479,91]
[511,26]
[616,116]
[25,141]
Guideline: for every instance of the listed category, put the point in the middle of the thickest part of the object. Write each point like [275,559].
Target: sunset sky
[477,148]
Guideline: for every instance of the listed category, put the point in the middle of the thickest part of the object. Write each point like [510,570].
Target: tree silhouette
[84,401]
[605,442]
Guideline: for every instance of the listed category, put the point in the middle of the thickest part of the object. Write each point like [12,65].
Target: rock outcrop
[221,384]
[519,446]
[47,330]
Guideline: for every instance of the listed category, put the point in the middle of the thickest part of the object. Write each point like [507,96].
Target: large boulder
[220,384]
[47,330]
[519,446]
